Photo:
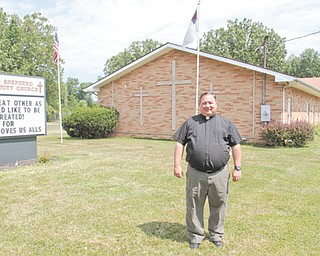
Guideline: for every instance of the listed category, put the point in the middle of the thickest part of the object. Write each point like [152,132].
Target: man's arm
[178,153]
[236,154]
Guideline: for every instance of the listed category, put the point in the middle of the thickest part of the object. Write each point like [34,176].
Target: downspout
[112,94]
[253,103]
[264,89]
[283,101]
[264,84]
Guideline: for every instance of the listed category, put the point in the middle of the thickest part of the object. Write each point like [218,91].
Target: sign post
[22,117]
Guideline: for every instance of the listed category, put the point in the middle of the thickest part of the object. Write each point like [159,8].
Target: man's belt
[207,170]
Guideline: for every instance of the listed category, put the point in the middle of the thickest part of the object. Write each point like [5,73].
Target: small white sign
[22,106]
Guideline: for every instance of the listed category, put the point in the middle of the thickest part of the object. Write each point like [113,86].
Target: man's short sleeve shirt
[208,141]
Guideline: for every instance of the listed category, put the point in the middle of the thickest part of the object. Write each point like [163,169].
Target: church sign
[22,118]
[22,106]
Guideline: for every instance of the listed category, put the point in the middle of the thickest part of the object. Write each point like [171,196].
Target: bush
[90,123]
[44,158]
[295,134]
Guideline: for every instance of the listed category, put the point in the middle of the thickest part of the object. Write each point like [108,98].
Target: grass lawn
[118,196]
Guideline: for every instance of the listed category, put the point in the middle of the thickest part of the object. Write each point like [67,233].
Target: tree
[26,48]
[75,96]
[135,51]
[87,97]
[306,65]
[244,41]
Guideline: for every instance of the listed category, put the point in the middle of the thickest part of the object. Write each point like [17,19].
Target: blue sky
[92,31]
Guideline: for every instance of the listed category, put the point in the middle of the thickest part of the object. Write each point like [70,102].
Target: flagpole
[56,58]
[59,91]
[198,57]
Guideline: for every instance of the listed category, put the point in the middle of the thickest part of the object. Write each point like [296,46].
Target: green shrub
[44,158]
[86,122]
[295,134]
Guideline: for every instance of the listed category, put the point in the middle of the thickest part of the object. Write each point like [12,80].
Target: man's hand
[178,172]
[178,152]
[236,175]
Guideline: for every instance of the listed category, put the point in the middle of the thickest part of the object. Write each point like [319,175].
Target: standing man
[208,137]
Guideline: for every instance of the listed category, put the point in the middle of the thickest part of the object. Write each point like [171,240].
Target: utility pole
[265,46]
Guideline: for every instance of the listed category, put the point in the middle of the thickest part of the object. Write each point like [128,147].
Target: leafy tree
[306,65]
[26,48]
[71,93]
[135,51]
[75,96]
[244,41]
[87,97]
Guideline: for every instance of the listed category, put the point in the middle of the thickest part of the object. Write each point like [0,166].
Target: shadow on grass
[166,230]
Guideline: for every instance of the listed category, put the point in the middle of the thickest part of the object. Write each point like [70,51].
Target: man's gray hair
[206,93]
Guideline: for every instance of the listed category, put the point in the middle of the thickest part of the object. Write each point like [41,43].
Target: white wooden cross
[173,83]
[141,95]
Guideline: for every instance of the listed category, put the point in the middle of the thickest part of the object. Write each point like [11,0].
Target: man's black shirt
[208,141]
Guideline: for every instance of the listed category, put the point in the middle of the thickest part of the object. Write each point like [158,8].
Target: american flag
[56,48]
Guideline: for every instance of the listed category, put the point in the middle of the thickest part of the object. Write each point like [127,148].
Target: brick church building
[155,94]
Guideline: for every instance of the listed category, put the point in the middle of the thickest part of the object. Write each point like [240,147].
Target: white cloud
[90,32]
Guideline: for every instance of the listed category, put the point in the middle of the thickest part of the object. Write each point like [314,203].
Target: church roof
[301,84]
[315,81]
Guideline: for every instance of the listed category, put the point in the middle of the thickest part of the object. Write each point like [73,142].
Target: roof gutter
[306,87]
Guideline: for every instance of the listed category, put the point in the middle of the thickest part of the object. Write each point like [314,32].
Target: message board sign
[22,106]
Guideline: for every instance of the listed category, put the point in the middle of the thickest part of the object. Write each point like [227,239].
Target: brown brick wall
[238,90]
[303,106]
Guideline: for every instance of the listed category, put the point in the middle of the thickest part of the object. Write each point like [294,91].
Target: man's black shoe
[194,245]
[217,243]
